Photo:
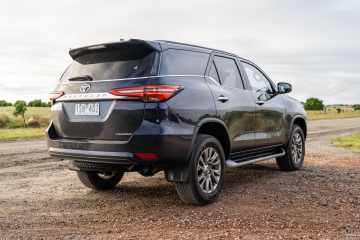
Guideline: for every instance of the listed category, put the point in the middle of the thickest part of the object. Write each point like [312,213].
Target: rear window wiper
[81,78]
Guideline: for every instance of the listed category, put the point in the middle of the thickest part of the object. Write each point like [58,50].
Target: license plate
[87,109]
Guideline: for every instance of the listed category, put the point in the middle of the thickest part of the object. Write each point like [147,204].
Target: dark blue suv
[190,111]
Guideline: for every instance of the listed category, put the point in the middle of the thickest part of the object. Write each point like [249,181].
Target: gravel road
[41,198]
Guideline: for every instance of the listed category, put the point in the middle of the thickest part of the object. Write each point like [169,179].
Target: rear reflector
[146,155]
[154,93]
[55,95]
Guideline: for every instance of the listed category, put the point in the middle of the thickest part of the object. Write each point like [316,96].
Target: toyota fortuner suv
[190,111]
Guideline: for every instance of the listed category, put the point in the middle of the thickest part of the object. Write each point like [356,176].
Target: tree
[356,107]
[35,103]
[4,103]
[20,109]
[20,101]
[313,104]
[38,103]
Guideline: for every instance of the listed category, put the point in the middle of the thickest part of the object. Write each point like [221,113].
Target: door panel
[270,120]
[238,114]
[234,105]
[270,110]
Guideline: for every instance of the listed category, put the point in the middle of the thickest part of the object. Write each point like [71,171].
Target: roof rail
[191,45]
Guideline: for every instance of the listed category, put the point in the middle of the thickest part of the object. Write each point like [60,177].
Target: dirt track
[40,198]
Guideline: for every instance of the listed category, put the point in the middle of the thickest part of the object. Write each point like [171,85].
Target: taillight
[154,93]
[55,95]
[146,155]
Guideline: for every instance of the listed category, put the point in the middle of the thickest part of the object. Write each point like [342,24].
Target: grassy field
[31,111]
[352,141]
[12,127]
[21,133]
[348,113]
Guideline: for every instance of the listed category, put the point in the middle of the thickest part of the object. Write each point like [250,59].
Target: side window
[258,81]
[213,73]
[228,72]
[181,62]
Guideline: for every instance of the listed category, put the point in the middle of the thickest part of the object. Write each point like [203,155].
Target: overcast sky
[312,44]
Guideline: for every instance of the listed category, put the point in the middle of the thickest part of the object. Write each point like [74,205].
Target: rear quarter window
[181,62]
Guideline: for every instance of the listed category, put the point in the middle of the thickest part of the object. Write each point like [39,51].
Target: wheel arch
[217,129]
[209,126]
[301,122]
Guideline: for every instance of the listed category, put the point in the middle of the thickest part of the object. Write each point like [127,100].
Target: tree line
[34,103]
[318,105]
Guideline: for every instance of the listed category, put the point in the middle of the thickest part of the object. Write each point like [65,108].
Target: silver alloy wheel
[296,148]
[106,175]
[209,170]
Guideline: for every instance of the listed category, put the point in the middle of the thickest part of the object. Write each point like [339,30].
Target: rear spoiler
[74,53]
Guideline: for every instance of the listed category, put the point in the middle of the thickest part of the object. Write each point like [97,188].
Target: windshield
[111,64]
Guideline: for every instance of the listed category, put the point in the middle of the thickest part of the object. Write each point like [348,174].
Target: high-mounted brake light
[55,95]
[154,93]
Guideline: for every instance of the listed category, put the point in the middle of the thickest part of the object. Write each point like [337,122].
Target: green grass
[316,115]
[351,141]
[21,133]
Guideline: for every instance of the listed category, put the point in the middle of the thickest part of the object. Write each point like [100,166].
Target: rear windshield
[111,64]
[181,62]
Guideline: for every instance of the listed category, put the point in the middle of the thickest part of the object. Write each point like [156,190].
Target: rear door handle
[258,102]
[223,99]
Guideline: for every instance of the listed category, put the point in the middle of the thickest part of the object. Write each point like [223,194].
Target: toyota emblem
[85,87]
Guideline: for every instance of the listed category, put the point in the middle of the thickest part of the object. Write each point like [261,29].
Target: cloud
[314,45]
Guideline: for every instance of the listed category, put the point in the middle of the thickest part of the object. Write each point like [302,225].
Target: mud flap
[177,173]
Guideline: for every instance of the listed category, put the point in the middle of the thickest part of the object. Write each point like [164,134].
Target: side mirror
[284,87]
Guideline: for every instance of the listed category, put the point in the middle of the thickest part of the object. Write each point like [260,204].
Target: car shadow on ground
[158,189]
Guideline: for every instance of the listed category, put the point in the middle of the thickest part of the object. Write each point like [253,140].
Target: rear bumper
[92,156]
[170,149]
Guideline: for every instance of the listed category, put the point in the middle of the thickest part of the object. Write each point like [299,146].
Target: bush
[32,123]
[338,110]
[357,107]
[15,123]
[42,120]
[4,120]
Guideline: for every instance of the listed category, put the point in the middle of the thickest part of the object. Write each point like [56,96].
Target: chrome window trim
[214,81]
[178,76]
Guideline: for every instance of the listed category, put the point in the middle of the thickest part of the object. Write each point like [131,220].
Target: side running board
[232,164]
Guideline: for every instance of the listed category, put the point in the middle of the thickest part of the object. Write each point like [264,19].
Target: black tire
[100,180]
[294,151]
[206,178]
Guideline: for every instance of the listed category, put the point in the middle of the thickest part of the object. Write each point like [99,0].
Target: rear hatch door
[87,110]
